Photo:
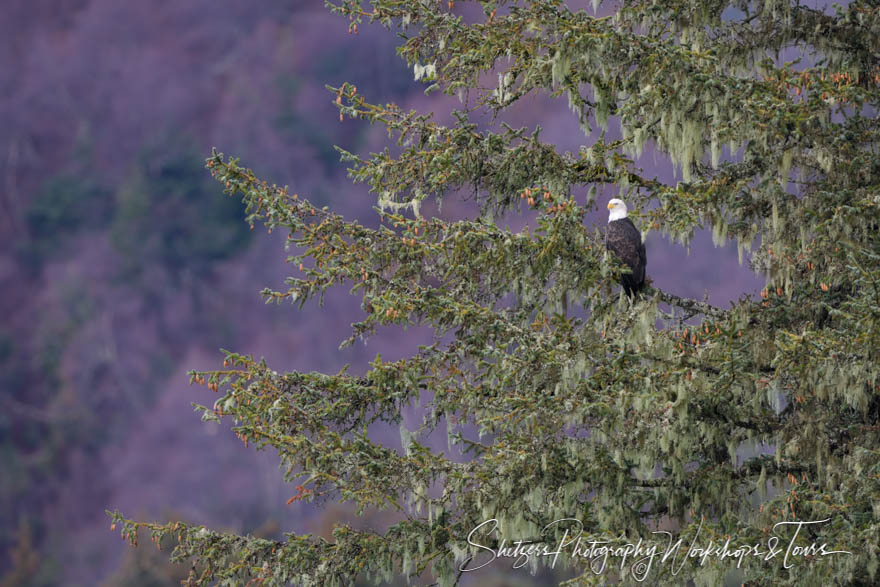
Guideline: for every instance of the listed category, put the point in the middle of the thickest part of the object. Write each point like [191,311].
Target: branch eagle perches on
[370,258]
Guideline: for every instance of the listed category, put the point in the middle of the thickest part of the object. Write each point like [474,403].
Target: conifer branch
[693,307]
[749,468]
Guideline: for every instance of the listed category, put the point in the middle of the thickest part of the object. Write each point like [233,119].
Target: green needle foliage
[568,400]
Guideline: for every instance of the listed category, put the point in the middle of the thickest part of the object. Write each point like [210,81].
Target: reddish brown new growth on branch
[301,493]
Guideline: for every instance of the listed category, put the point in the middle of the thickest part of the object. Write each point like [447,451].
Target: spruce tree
[567,399]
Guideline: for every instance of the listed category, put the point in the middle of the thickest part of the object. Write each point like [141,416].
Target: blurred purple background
[122,265]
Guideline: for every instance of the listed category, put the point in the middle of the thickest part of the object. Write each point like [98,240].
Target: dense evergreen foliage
[569,400]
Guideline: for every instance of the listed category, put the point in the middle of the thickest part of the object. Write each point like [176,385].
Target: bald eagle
[624,240]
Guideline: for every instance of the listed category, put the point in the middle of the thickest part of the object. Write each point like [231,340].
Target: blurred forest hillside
[122,266]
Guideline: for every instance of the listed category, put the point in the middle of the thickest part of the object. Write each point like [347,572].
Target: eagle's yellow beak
[610,205]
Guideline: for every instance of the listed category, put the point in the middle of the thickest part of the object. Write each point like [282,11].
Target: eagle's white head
[617,210]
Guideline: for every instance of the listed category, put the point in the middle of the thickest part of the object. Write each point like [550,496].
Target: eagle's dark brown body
[624,240]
